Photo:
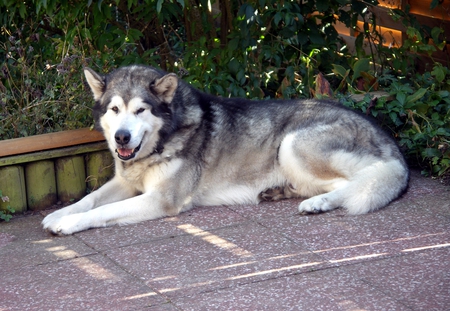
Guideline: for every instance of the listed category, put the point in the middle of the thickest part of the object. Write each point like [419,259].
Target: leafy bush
[247,50]
[416,111]
[257,49]
[37,97]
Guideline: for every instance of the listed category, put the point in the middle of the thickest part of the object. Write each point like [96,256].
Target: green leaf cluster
[417,112]
[5,213]
[253,49]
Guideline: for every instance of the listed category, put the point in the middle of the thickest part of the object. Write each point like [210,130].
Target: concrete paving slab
[207,260]
[323,290]
[203,217]
[420,281]
[24,243]
[253,257]
[349,239]
[87,283]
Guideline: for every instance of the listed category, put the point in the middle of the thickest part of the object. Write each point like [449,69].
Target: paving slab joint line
[386,293]
[132,275]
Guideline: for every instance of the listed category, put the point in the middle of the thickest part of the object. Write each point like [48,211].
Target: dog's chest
[149,174]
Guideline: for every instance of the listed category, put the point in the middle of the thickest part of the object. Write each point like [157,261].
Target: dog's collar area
[125,154]
[158,150]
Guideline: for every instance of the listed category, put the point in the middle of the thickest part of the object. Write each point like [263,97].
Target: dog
[175,147]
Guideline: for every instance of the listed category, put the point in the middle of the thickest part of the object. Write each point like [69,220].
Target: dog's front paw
[50,218]
[64,225]
[317,204]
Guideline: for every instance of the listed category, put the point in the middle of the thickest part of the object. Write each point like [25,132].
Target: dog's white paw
[64,225]
[316,204]
[54,216]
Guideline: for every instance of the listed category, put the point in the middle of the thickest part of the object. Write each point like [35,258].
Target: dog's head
[132,104]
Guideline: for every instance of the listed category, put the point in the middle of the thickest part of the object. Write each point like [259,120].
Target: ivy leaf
[99,5]
[360,66]
[401,97]
[416,96]
[435,33]
[277,18]
[159,6]
[434,4]
[339,70]
[22,10]
[438,72]
[431,152]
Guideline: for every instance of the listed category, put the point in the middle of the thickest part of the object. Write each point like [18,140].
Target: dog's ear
[165,87]
[95,81]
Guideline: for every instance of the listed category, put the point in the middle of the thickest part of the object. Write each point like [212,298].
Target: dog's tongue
[125,152]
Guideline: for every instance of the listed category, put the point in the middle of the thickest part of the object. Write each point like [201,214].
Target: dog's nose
[122,137]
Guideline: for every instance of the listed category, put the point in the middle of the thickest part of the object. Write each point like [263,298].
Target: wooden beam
[49,141]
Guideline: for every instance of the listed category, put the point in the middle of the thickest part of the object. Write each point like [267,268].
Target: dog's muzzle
[127,154]
[123,137]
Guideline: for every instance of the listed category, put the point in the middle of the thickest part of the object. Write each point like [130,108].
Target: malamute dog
[176,147]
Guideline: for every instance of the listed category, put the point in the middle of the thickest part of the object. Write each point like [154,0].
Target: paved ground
[264,257]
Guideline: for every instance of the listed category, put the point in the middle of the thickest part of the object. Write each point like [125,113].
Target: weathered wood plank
[51,154]
[70,178]
[12,184]
[99,168]
[41,184]
[49,141]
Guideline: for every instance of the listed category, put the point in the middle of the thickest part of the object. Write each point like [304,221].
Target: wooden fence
[394,33]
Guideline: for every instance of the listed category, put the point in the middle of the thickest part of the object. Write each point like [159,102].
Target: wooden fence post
[70,178]
[41,184]
[12,184]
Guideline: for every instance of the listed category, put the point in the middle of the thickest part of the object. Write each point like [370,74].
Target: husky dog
[176,147]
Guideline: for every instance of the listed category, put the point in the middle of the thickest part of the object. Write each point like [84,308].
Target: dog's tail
[375,186]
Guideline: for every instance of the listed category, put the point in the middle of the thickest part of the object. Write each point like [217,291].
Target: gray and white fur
[176,147]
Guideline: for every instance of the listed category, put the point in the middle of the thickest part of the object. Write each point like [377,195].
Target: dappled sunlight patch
[426,247]
[378,242]
[358,257]
[62,252]
[258,273]
[139,296]
[233,265]
[82,263]
[215,240]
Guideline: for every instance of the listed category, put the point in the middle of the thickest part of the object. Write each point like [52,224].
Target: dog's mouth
[127,154]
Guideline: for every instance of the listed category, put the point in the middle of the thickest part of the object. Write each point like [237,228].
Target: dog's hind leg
[369,189]
[278,193]
[358,182]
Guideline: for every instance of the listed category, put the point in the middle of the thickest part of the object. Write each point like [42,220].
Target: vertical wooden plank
[12,184]
[99,168]
[41,184]
[70,178]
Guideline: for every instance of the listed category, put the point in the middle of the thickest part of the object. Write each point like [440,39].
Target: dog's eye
[115,109]
[140,110]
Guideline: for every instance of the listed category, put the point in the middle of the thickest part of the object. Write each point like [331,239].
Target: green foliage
[260,48]
[38,97]
[274,48]
[6,214]
[417,113]
[254,49]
